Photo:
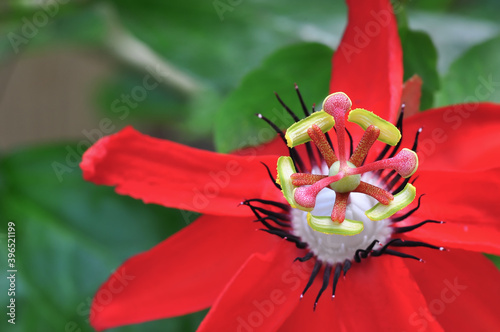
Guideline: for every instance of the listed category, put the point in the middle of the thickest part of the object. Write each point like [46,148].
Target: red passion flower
[342,201]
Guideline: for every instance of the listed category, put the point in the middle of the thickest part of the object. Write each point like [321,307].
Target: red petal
[183,274]
[461,289]
[274,147]
[260,297]
[378,294]
[459,235]
[412,91]
[467,202]
[368,63]
[174,175]
[458,137]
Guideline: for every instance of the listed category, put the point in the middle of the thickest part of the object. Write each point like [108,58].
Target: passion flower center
[313,223]
[344,177]
[347,183]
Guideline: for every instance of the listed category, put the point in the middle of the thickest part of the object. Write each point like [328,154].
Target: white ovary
[333,248]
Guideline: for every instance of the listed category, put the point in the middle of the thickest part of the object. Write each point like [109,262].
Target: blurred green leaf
[431,5]
[307,64]
[214,48]
[484,9]
[420,57]
[125,97]
[38,28]
[474,76]
[70,236]
[221,46]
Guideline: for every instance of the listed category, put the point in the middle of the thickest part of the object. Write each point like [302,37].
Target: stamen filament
[319,139]
[369,137]
[304,179]
[379,194]
[340,206]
